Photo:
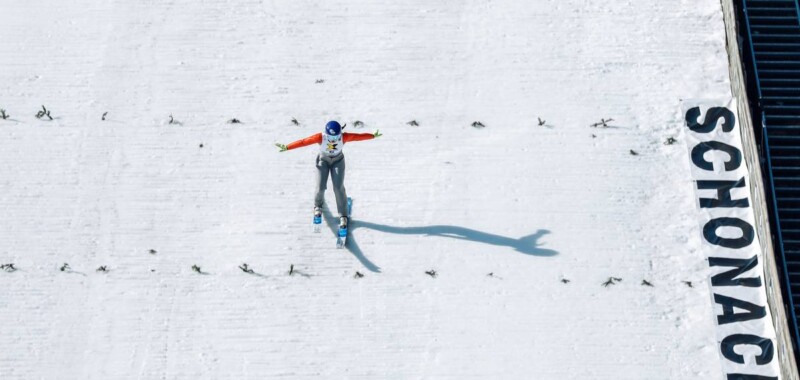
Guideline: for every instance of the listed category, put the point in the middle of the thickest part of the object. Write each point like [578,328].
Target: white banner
[744,329]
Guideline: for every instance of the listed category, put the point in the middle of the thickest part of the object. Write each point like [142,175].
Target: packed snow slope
[522,223]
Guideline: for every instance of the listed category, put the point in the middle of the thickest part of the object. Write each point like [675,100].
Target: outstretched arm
[313,139]
[348,137]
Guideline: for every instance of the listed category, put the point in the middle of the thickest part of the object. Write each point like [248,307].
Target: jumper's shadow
[527,244]
[352,245]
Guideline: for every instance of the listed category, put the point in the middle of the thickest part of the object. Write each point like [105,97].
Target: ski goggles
[333,138]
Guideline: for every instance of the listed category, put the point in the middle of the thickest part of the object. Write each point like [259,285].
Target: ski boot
[342,238]
[317,218]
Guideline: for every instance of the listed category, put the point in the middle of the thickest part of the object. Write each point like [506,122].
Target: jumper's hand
[281,147]
[377,134]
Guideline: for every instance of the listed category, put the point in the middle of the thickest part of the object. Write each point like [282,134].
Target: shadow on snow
[527,244]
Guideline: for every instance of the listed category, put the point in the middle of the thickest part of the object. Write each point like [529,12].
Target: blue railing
[752,55]
[778,236]
[771,57]
[797,9]
[753,62]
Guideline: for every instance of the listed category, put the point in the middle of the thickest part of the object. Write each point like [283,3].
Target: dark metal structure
[769,36]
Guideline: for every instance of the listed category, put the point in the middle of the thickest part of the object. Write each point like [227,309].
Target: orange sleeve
[313,139]
[348,137]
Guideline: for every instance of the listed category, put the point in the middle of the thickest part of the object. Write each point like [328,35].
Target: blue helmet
[333,128]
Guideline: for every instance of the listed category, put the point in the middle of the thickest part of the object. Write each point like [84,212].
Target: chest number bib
[331,145]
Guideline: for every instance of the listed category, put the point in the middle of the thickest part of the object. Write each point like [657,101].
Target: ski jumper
[330,162]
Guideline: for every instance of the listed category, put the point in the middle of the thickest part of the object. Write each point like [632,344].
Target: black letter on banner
[729,316]
[712,115]
[729,278]
[700,149]
[741,376]
[710,232]
[734,340]
[723,194]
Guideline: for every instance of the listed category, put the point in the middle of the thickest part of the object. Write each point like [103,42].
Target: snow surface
[532,205]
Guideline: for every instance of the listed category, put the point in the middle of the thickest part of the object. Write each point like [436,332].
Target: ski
[341,239]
